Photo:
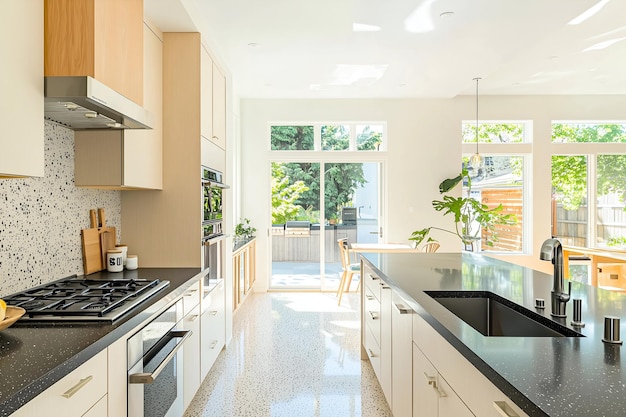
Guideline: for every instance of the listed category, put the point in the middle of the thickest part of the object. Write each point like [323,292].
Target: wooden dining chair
[430,247]
[348,269]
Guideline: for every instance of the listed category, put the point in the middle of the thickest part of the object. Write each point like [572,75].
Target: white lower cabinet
[191,356]
[401,355]
[432,396]
[75,394]
[385,340]
[213,328]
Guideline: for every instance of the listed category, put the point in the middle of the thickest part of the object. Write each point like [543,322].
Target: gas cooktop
[85,299]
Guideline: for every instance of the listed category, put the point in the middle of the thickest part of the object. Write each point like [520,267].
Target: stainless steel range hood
[82,102]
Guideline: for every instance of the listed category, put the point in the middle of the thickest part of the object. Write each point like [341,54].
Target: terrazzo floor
[292,355]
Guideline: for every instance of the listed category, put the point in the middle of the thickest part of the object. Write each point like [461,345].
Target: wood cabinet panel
[98,38]
[21,83]
[244,272]
[206,88]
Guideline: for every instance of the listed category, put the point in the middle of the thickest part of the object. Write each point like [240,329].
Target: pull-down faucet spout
[552,250]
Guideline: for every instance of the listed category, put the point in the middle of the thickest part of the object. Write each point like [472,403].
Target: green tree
[368,140]
[285,194]
[289,138]
[335,138]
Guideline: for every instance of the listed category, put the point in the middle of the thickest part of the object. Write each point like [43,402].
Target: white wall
[424,148]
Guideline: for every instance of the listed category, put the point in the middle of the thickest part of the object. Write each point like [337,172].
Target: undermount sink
[493,315]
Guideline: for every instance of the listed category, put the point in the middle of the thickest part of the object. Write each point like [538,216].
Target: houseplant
[471,217]
[244,230]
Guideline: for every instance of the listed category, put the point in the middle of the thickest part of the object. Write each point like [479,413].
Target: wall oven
[212,187]
[155,366]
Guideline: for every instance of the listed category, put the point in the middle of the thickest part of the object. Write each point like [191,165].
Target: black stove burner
[89,299]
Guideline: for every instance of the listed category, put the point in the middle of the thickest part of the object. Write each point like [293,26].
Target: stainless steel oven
[155,366]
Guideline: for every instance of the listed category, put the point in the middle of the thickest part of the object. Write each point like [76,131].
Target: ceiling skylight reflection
[587,14]
[362,27]
[420,20]
[603,45]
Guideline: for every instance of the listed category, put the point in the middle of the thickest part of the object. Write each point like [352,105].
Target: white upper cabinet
[213,100]
[21,83]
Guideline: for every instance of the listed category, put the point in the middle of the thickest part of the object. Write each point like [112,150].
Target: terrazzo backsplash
[41,218]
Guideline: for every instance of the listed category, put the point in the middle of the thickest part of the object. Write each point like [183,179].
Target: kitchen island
[543,376]
[34,355]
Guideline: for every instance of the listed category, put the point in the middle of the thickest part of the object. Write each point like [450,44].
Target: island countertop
[545,376]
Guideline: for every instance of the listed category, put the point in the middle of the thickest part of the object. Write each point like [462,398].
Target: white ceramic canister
[115,261]
[132,262]
[124,249]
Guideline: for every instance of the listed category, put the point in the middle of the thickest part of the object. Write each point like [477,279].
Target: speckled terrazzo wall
[41,218]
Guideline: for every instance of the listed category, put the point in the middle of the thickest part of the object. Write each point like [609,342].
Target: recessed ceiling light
[253,44]
[446,15]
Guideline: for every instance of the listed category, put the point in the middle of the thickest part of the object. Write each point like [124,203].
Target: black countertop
[545,376]
[35,355]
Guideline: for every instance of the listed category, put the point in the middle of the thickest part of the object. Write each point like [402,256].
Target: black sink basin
[493,315]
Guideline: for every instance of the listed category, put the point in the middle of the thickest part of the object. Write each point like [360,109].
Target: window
[501,181]
[331,137]
[589,188]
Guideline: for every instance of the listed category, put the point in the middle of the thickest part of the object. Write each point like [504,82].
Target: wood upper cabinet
[21,83]
[128,159]
[98,38]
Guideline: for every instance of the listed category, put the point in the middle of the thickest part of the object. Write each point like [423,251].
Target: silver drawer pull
[70,392]
[191,292]
[213,312]
[403,309]
[384,286]
[371,353]
[432,380]
[504,410]
[374,315]
[193,318]
[213,344]
[369,297]
[373,277]
[149,378]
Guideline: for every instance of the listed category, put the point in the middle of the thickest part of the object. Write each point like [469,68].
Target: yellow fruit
[3,309]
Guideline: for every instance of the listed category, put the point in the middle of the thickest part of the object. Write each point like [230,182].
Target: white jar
[132,262]
[124,249]
[115,261]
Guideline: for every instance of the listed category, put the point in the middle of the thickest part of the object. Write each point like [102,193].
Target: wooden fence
[509,237]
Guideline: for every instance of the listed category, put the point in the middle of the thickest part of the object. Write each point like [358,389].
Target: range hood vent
[82,102]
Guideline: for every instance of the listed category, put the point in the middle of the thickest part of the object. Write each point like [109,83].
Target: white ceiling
[318,49]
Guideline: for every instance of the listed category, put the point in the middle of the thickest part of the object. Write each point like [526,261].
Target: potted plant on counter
[244,230]
[471,217]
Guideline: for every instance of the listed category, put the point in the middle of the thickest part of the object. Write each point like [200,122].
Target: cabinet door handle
[213,344]
[213,312]
[432,381]
[193,318]
[373,277]
[384,286]
[70,392]
[369,297]
[503,409]
[403,309]
[371,353]
[374,315]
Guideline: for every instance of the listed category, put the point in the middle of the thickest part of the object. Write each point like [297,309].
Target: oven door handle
[149,378]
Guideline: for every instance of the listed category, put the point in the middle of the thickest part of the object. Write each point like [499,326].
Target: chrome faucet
[552,250]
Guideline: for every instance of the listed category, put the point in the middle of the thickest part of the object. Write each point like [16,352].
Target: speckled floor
[292,355]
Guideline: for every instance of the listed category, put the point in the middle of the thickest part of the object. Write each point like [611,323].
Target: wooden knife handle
[101,216]
[93,222]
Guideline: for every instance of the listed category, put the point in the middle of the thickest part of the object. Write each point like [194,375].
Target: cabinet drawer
[372,282]
[191,298]
[371,312]
[373,351]
[75,394]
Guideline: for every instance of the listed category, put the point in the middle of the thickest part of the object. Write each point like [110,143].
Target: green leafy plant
[244,229]
[470,215]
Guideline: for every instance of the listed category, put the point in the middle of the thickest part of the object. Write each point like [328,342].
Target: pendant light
[477,161]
